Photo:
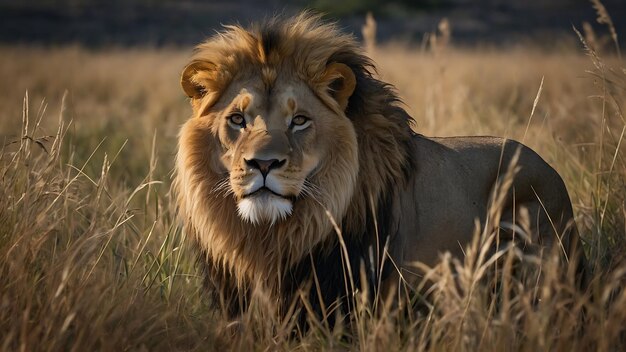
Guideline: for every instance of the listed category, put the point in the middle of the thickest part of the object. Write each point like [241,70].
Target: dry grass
[91,257]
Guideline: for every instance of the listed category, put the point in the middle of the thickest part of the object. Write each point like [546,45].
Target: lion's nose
[265,166]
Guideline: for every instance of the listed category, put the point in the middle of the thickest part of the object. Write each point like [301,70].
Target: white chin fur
[264,208]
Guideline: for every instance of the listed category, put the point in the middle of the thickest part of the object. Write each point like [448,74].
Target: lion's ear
[200,83]
[192,88]
[341,83]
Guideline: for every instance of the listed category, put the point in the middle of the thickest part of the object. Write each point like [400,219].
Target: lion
[298,160]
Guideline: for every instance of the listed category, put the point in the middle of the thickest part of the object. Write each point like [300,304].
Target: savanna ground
[92,257]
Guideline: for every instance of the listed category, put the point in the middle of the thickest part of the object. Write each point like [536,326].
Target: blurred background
[460,66]
[172,22]
[92,256]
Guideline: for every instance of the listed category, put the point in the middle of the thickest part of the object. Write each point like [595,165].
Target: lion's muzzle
[264,199]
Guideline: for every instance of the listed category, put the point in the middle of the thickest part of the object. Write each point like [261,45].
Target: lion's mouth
[265,191]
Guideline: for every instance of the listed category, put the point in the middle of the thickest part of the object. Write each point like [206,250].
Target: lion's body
[453,185]
[297,156]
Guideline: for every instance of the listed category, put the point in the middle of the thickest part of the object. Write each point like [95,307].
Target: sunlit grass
[92,257]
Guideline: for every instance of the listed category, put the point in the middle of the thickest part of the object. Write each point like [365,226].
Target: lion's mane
[239,256]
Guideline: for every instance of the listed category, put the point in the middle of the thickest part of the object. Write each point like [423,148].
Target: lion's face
[278,146]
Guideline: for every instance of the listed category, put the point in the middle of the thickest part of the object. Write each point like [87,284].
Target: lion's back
[452,187]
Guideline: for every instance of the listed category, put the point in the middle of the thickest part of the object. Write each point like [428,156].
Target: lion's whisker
[315,189]
[312,191]
[223,188]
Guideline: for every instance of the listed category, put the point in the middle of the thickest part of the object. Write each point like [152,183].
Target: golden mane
[238,255]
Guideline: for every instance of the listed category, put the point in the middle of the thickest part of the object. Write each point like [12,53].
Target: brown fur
[375,176]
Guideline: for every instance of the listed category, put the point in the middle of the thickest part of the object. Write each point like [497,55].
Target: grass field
[92,257]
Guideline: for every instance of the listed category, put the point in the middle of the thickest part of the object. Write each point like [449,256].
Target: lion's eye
[237,119]
[299,120]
